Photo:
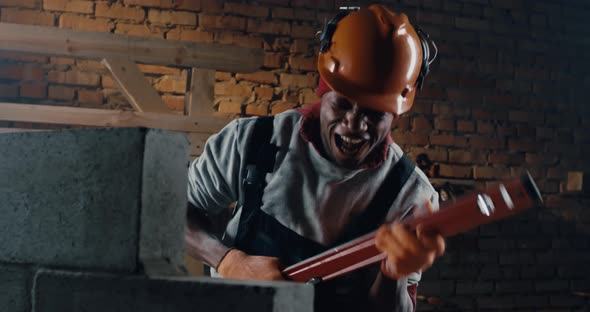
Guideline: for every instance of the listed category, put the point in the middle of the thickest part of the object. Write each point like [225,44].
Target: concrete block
[89,292]
[164,197]
[15,288]
[75,198]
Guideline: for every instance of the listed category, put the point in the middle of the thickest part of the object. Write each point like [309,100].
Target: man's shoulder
[419,176]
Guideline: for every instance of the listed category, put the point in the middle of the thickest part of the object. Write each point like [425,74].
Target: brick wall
[506,93]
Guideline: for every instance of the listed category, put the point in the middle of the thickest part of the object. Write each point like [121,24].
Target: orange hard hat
[375,57]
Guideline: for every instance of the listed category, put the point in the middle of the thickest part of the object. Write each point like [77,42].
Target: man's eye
[342,105]
[374,115]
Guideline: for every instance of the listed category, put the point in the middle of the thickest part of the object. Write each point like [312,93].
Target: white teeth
[350,140]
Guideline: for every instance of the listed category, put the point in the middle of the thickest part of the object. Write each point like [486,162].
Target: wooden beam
[108,118]
[199,98]
[95,45]
[138,91]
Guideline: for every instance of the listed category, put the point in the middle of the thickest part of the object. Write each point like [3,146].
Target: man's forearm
[200,242]
[390,295]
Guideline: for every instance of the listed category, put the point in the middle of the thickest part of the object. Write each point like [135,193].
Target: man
[309,179]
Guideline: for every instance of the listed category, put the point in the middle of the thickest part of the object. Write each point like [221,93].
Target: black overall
[260,234]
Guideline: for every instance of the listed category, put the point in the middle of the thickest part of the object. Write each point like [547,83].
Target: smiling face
[351,133]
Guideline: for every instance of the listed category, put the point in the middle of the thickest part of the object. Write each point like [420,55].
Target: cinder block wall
[507,92]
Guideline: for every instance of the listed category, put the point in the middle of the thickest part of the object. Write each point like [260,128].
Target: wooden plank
[95,45]
[199,98]
[108,118]
[138,91]
[197,143]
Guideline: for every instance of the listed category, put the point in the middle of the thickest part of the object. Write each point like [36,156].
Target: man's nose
[355,120]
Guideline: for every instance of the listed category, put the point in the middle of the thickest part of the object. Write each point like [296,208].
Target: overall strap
[260,159]
[375,213]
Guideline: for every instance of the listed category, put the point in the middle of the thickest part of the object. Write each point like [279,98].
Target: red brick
[88,65]
[433,93]
[209,21]
[484,127]
[211,6]
[78,22]
[27,17]
[268,27]
[303,31]
[467,157]
[239,39]
[276,2]
[61,93]
[444,124]
[164,4]
[402,123]
[257,109]
[233,89]
[73,6]
[410,138]
[507,158]
[231,104]
[421,124]
[289,96]
[119,12]
[467,126]
[140,30]
[8,91]
[33,89]
[481,142]
[107,82]
[314,4]
[90,97]
[280,106]
[436,155]
[171,84]
[305,15]
[506,131]
[264,93]
[422,107]
[455,171]
[308,96]
[480,114]
[222,76]
[158,69]
[303,63]
[523,145]
[299,81]
[301,46]
[172,17]
[491,173]
[245,9]
[174,102]
[74,78]
[264,77]
[272,60]
[282,13]
[445,110]
[29,4]
[540,158]
[187,34]
[527,117]
[448,140]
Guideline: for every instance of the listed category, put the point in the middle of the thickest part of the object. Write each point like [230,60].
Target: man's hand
[238,265]
[407,250]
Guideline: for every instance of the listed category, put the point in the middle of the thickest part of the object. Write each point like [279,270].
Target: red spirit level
[496,202]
